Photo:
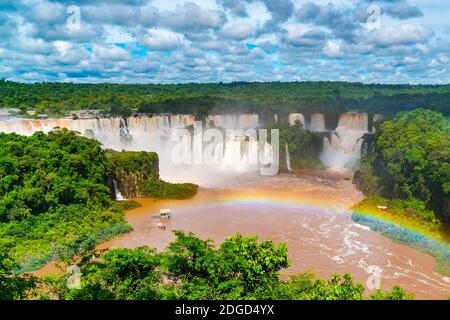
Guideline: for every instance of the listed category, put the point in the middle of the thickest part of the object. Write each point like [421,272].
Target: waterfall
[343,148]
[376,119]
[294,117]
[317,122]
[232,121]
[288,157]
[237,154]
[119,196]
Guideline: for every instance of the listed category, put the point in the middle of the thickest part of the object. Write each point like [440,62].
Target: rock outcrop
[130,170]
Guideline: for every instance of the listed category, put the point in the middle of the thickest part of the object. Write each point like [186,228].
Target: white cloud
[332,49]
[161,39]
[110,52]
[238,31]
[401,34]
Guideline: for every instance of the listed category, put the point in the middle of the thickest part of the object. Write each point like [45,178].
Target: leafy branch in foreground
[191,268]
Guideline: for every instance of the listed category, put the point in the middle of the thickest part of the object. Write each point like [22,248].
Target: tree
[12,286]
[191,268]
[411,161]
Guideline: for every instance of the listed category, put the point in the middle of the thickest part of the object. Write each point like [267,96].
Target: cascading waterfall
[376,119]
[317,122]
[232,121]
[294,117]
[238,153]
[154,133]
[288,157]
[343,148]
[118,195]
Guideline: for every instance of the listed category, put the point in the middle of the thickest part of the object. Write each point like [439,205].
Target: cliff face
[131,170]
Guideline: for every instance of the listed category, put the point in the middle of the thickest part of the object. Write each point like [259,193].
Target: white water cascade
[294,117]
[118,195]
[343,148]
[317,122]
[288,157]
[239,153]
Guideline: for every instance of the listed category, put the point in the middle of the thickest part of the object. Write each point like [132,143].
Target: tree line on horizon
[266,98]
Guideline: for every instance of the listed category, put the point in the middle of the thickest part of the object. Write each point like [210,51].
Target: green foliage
[129,161]
[41,172]
[304,146]
[365,176]
[397,293]
[413,210]
[306,286]
[190,268]
[160,189]
[234,271]
[330,98]
[411,161]
[14,287]
[53,197]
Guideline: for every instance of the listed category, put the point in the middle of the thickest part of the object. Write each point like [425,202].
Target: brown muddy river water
[308,212]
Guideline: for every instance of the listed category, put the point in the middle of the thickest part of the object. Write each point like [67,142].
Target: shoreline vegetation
[405,177]
[55,203]
[189,268]
[399,227]
[56,195]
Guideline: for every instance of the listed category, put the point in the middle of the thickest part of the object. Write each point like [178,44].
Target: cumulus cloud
[191,17]
[300,36]
[238,31]
[340,20]
[403,10]
[222,40]
[332,49]
[403,34]
[236,7]
[160,39]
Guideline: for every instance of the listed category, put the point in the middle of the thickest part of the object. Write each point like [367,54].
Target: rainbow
[259,198]
[405,234]
[418,239]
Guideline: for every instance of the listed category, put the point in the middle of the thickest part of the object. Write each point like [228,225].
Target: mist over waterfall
[343,148]
[238,153]
[317,122]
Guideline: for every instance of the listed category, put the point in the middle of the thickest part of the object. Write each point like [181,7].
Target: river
[308,211]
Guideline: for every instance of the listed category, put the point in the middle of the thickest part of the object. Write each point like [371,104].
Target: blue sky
[162,41]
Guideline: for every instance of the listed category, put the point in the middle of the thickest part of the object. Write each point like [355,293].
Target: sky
[170,41]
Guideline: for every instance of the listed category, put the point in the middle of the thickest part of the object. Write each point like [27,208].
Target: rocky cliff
[130,170]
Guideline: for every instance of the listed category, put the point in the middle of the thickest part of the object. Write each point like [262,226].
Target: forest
[189,269]
[267,98]
[409,159]
[407,170]
[56,194]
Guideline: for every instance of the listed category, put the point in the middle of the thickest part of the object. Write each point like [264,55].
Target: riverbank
[308,210]
[425,237]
